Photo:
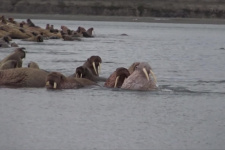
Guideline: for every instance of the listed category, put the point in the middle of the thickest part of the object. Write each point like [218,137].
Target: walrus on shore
[117,78]
[9,64]
[23,77]
[30,23]
[18,55]
[84,72]
[56,80]
[142,78]
[94,64]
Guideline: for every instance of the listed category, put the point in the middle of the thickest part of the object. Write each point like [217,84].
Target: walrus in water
[56,80]
[38,38]
[142,78]
[9,65]
[33,65]
[88,33]
[133,67]
[17,55]
[117,78]
[84,72]
[4,42]
[94,64]
[23,77]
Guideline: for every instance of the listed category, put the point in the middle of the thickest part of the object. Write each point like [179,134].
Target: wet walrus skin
[117,78]
[85,72]
[23,77]
[94,64]
[56,80]
[17,55]
[140,79]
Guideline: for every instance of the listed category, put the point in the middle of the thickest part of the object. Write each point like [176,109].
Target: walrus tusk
[81,75]
[94,68]
[55,85]
[47,83]
[153,75]
[99,68]
[146,73]
[76,76]
[117,78]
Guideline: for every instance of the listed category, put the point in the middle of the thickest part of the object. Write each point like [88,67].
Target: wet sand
[116,18]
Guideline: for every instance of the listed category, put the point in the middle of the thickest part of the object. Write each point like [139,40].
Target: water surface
[187,112]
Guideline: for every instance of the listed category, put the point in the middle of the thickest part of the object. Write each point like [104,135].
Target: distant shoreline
[115,18]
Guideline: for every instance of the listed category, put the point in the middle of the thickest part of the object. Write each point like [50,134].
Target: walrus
[56,80]
[9,64]
[32,64]
[17,55]
[133,67]
[13,44]
[94,64]
[88,33]
[117,78]
[30,23]
[70,38]
[4,42]
[23,77]
[142,78]
[38,38]
[84,72]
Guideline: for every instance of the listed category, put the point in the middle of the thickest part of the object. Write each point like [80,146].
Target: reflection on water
[185,113]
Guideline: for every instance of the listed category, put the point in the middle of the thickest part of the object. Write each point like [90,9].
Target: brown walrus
[70,38]
[33,65]
[84,72]
[23,77]
[17,55]
[9,65]
[117,78]
[94,64]
[88,33]
[141,78]
[38,38]
[133,67]
[56,80]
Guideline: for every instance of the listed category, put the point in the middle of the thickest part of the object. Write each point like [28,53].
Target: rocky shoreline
[140,8]
[115,18]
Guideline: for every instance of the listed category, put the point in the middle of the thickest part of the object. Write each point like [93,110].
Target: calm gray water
[187,112]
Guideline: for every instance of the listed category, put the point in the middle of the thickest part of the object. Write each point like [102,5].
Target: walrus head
[81,72]
[133,67]
[21,52]
[7,39]
[40,38]
[117,78]
[54,80]
[94,63]
[142,78]
[33,65]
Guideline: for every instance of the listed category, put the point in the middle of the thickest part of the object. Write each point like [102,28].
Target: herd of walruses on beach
[139,76]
